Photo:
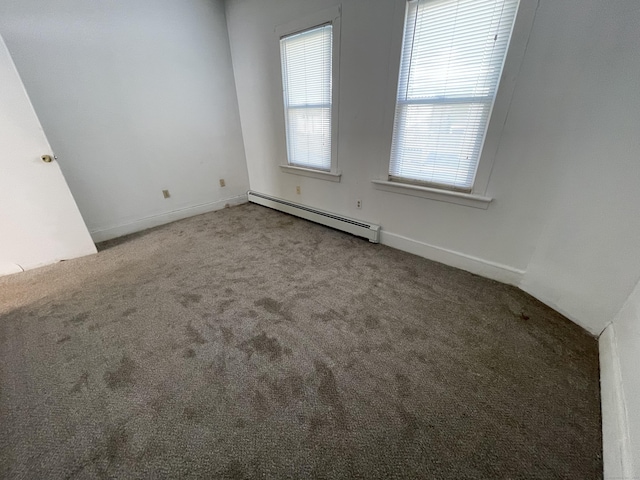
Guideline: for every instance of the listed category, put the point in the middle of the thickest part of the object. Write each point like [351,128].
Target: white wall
[587,259]
[620,356]
[565,164]
[39,220]
[505,233]
[136,96]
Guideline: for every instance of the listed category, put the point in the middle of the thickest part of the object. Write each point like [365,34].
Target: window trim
[451,196]
[523,25]
[330,15]
[311,172]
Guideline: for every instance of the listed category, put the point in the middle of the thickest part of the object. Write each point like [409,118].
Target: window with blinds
[306,78]
[452,58]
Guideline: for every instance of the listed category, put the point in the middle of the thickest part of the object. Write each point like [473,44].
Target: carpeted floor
[246,343]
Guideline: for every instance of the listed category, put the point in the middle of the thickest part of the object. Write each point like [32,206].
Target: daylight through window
[306,78]
[452,58]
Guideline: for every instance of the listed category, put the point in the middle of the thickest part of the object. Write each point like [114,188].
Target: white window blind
[306,78]
[452,59]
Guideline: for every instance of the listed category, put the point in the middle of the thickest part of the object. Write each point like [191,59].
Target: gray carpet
[246,343]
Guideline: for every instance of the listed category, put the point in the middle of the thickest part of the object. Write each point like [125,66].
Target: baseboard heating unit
[350,225]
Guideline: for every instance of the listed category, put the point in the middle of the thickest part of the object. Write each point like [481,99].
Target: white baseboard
[484,268]
[615,435]
[160,219]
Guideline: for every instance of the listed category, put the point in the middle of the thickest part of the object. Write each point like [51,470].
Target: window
[307,73]
[452,57]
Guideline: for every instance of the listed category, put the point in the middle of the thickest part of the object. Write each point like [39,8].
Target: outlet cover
[166,194]
[222,182]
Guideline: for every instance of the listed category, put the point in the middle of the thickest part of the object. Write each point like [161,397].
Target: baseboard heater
[350,225]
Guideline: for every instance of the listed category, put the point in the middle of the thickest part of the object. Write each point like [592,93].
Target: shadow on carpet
[246,343]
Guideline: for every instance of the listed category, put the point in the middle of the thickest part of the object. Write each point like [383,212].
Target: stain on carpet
[260,404]
[122,376]
[187,299]
[264,345]
[194,335]
[287,389]
[395,366]
[116,445]
[274,307]
[79,318]
[83,381]
[328,392]
[371,321]
[403,385]
[189,353]
[219,367]
[227,334]
[223,305]
[410,427]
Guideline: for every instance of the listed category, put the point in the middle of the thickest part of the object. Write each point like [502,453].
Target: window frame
[333,16]
[478,196]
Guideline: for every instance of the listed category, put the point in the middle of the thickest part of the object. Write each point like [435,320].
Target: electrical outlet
[222,182]
[358,203]
[298,189]
[166,194]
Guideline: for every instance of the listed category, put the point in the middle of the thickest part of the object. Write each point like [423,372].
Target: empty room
[249,239]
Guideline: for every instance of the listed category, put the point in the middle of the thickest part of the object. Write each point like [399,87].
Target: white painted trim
[328,15]
[309,172]
[523,25]
[521,32]
[161,219]
[450,196]
[485,268]
[615,433]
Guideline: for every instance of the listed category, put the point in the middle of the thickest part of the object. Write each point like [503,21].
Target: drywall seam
[161,219]
[485,268]
[615,433]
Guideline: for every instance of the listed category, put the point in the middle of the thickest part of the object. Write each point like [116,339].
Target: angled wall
[587,256]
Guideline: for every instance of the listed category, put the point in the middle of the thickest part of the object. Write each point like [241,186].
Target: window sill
[309,172]
[468,199]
